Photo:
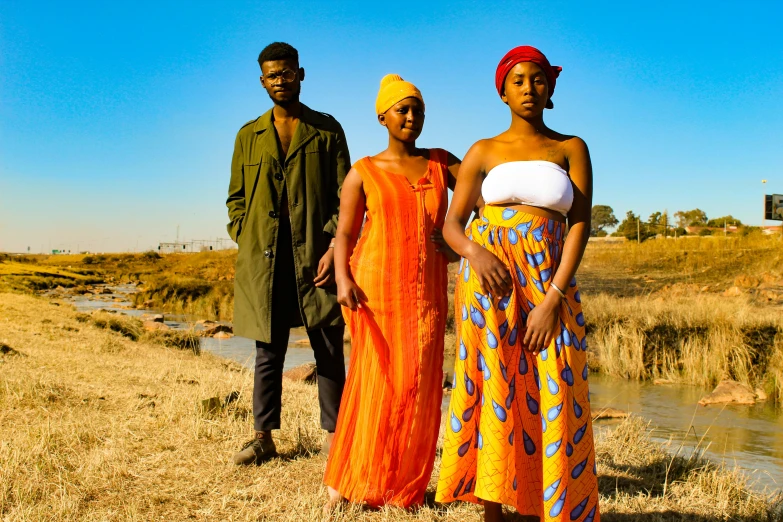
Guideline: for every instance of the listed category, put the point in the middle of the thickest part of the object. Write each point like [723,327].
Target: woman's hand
[492,274]
[443,247]
[543,324]
[349,294]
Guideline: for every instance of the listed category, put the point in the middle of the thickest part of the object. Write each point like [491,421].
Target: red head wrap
[526,53]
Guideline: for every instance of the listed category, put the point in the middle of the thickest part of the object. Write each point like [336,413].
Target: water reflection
[748,436]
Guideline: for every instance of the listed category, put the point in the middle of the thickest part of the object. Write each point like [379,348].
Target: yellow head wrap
[393,90]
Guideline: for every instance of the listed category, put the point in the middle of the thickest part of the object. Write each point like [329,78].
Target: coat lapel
[304,132]
[265,135]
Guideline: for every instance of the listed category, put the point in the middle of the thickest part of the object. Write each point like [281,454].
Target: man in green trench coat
[283,202]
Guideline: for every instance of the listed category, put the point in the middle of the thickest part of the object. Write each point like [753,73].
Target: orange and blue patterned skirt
[519,430]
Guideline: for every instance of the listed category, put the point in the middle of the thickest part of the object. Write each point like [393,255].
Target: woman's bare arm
[349,224]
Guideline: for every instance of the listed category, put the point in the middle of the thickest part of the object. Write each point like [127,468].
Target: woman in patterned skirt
[518,430]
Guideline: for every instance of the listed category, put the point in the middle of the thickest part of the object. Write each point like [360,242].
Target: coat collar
[305,130]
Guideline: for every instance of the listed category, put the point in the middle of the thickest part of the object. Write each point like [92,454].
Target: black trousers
[327,344]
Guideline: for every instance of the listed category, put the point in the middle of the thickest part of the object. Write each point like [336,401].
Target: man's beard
[287,103]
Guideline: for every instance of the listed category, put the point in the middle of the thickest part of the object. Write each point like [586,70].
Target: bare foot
[493,512]
[335,500]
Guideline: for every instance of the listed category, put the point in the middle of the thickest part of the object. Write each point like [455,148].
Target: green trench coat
[313,173]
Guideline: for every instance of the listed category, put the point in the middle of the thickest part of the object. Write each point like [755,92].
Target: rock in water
[210,331]
[155,318]
[609,413]
[151,326]
[730,392]
[304,373]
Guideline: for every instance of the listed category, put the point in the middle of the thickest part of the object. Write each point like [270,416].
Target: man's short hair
[278,51]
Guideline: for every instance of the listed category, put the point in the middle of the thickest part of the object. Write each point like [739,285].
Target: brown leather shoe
[256,451]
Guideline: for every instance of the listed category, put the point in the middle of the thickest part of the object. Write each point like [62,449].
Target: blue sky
[117,120]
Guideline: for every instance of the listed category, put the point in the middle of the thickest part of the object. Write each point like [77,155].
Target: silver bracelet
[557,289]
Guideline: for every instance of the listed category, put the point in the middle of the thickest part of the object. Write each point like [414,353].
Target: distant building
[195,246]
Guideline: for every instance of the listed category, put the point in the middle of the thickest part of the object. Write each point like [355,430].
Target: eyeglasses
[287,75]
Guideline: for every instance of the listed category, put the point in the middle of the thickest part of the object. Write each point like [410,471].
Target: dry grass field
[97,426]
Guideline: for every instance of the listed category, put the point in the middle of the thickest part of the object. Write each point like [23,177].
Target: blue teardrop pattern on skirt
[545,274]
[567,375]
[469,486]
[584,373]
[513,238]
[463,351]
[557,507]
[573,282]
[512,391]
[538,233]
[503,303]
[508,213]
[550,226]
[551,490]
[456,425]
[468,413]
[535,259]
[480,441]
[503,328]
[579,509]
[532,404]
[543,423]
[522,363]
[478,318]
[577,297]
[514,484]
[554,389]
[490,238]
[569,449]
[482,300]
[500,412]
[530,447]
[459,487]
[591,516]
[499,236]
[469,385]
[492,341]
[520,276]
[578,469]
[503,371]
[580,319]
[544,354]
[536,377]
[463,449]
[552,448]
[554,412]
[511,438]
[579,434]
[577,410]
[512,339]
[464,313]
[466,274]
[523,228]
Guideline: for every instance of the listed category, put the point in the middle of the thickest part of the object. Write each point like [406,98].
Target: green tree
[601,218]
[719,222]
[688,218]
[633,229]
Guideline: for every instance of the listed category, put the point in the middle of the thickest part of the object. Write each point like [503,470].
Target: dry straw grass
[692,339]
[96,426]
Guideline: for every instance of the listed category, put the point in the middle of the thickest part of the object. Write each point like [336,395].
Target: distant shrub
[88,260]
[705,232]
[150,255]
[601,233]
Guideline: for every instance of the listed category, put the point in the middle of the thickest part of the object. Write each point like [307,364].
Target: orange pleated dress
[384,445]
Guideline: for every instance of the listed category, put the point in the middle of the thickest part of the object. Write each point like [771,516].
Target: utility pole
[638,232]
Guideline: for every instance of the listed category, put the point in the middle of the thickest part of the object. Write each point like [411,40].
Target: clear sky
[117,120]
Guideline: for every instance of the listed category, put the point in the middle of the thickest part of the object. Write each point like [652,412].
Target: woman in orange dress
[518,429]
[392,283]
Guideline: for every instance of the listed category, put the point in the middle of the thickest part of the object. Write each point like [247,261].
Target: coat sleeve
[340,164]
[236,193]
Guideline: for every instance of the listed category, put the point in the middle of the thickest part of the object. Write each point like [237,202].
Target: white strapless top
[536,183]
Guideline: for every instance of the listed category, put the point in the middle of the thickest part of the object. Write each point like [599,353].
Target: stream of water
[750,437]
